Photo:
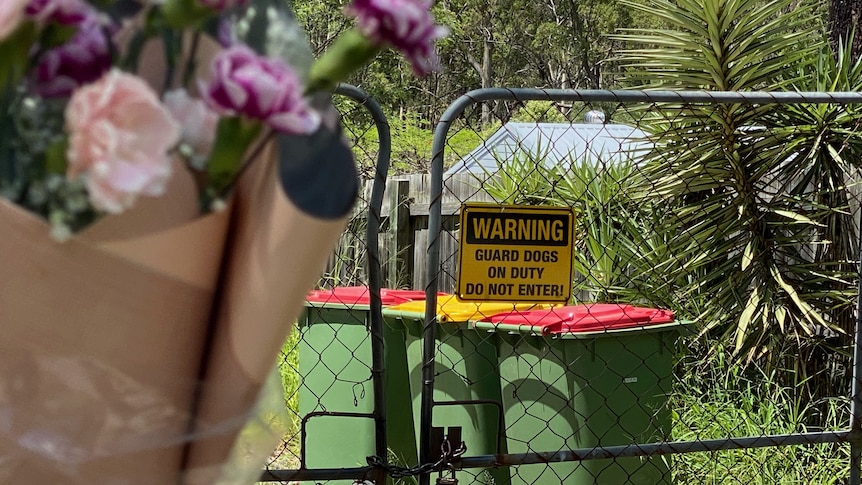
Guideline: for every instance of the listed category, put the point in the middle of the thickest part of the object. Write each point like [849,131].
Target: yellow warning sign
[515,253]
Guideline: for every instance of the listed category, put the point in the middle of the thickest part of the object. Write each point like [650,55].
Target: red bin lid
[584,318]
[361,295]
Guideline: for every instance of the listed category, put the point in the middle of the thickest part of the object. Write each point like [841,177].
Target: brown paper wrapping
[101,341]
[101,337]
[275,256]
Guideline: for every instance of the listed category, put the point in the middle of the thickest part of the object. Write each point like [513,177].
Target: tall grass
[715,399]
[286,456]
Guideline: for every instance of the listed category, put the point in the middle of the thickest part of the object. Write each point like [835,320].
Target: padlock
[450,480]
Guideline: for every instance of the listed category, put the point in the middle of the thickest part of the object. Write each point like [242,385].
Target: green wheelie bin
[335,370]
[465,370]
[582,376]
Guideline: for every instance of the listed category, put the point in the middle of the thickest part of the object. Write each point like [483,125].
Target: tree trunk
[844,17]
[487,75]
[485,70]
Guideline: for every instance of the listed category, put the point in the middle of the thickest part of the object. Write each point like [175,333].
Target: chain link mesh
[740,218]
[326,364]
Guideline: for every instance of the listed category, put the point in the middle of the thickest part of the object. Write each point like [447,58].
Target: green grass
[286,456]
[721,402]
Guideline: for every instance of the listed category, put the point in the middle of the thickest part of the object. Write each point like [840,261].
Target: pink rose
[11,16]
[198,125]
[120,138]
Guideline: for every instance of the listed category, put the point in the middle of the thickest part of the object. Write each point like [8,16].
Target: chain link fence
[330,366]
[711,315]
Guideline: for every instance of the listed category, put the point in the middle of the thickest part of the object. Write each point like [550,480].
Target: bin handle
[316,414]
[511,328]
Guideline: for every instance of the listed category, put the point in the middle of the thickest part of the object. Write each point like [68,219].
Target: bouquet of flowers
[172,180]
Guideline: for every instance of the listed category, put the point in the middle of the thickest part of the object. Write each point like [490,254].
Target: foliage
[411,144]
[524,179]
[530,44]
[322,21]
[716,399]
[614,258]
[540,112]
[720,45]
[553,44]
[288,368]
[761,193]
[463,139]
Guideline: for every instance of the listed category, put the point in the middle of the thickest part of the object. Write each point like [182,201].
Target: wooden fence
[403,235]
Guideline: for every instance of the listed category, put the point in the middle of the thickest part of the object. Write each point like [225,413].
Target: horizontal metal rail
[722,444]
[626,96]
[584,454]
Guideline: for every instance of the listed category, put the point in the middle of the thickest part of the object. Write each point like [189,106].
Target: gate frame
[378,414]
[853,435]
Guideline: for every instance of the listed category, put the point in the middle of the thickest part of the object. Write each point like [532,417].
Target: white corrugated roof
[560,143]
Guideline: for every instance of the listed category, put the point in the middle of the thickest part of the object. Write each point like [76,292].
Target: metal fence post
[374,269]
[856,390]
[376,320]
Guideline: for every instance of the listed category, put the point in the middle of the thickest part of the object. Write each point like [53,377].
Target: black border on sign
[496,209]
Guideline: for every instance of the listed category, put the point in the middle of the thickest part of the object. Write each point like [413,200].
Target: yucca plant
[598,191]
[822,146]
[606,217]
[523,178]
[761,220]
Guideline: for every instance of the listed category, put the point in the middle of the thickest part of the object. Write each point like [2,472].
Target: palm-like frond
[760,219]
[723,45]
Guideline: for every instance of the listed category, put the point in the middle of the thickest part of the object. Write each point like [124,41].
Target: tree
[845,18]
[759,218]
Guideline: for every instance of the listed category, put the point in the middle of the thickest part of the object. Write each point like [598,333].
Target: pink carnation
[255,87]
[11,16]
[406,25]
[120,138]
[81,60]
[63,12]
[220,5]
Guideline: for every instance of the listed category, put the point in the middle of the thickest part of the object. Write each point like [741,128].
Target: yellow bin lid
[450,309]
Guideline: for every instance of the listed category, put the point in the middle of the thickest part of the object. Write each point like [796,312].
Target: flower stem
[234,136]
[180,14]
[350,52]
[14,53]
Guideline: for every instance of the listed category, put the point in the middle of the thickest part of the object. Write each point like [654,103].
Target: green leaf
[799,218]
[752,307]
[807,312]
[55,156]
[747,255]
[781,317]
[14,52]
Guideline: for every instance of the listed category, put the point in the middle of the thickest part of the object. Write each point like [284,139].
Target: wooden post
[400,262]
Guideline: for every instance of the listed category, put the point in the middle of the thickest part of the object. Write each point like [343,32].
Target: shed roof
[559,143]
